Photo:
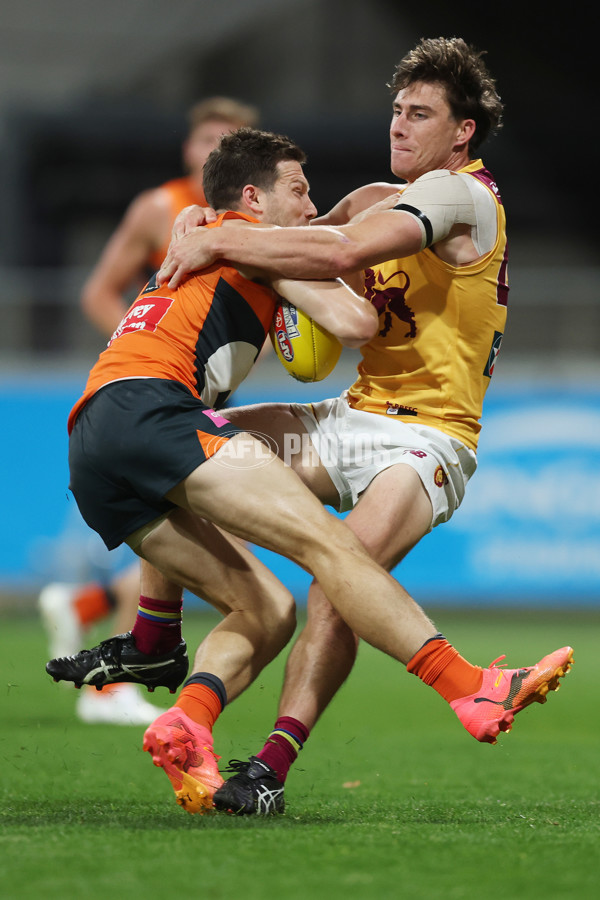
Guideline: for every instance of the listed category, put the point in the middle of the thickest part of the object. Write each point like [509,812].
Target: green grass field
[390,798]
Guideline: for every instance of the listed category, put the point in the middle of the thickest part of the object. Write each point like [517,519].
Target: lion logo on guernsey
[390,300]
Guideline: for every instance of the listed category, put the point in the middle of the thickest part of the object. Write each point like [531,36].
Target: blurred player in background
[135,250]
[139,244]
[398,448]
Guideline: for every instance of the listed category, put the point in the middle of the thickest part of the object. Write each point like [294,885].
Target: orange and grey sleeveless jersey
[205,334]
[440,329]
[182,192]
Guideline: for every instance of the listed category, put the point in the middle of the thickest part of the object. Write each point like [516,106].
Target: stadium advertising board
[528,531]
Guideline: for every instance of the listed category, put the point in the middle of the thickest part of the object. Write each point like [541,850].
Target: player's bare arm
[436,211]
[331,303]
[335,306]
[196,252]
[353,204]
[190,218]
[315,252]
[358,202]
[122,265]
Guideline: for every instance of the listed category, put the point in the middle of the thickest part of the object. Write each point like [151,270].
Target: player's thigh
[248,491]
[216,566]
[270,422]
[392,514]
[280,428]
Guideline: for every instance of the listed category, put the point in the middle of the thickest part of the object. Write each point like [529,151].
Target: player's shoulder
[154,199]
[174,184]
[437,176]
[238,219]
[452,180]
[376,191]
[356,202]
[148,214]
[443,186]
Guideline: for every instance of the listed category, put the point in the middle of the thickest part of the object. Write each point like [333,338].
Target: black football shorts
[131,443]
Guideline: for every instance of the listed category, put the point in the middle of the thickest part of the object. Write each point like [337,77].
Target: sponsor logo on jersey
[143,317]
[495,350]
[396,409]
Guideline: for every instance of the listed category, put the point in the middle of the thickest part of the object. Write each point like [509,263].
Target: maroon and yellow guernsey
[440,329]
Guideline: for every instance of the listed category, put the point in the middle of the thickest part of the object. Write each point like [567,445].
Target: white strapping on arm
[448,198]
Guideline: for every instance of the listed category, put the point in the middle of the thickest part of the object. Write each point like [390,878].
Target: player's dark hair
[245,156]
[459,68]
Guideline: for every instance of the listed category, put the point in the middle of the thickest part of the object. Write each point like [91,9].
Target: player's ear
[466,130]
[252,199]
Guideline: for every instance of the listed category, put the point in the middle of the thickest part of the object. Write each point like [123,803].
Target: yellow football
[306,351]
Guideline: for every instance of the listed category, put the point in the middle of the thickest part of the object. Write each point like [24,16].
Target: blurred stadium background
[92,110]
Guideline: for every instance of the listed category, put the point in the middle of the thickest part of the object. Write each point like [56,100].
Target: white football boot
[64,630]
[119,704]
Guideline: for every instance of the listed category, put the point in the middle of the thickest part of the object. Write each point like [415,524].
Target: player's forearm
[306,253]
[316,252]
[323,251]
[335,306]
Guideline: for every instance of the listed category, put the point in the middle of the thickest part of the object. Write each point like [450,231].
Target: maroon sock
[283,745]
[157,627]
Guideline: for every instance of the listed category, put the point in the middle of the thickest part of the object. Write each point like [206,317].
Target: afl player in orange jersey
[135,250]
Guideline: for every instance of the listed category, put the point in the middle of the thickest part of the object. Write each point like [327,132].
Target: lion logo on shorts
[439,477]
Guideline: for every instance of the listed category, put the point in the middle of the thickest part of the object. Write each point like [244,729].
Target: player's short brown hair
[459,68]
[245,156]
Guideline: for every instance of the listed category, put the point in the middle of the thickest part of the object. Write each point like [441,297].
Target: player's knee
[282,620]
[341,543]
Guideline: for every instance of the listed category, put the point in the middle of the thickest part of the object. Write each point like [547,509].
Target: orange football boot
[184,750]
[505,692]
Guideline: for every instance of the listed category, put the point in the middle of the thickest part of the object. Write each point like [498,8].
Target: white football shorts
[355,446]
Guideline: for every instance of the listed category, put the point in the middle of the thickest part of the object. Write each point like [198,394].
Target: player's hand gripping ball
[306,351]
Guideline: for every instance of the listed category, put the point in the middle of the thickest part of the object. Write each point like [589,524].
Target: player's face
[423,134]
[202,141]
[288,202]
